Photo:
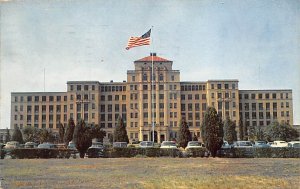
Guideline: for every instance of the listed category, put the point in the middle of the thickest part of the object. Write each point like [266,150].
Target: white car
[242,144]
[146,144]
[279,144]
[168,144]
[193,144]
[46,145]
[12,145]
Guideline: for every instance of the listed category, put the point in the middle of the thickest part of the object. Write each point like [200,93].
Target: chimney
[152,54]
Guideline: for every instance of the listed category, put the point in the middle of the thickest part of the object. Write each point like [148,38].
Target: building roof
[155,59]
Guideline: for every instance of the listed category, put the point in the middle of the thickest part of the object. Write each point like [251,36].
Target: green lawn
[150,173]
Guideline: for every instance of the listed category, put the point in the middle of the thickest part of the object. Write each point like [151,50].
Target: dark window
[219,86]
[58,98]
[51,98]
[29,98]
[36,98]
[86,87]
[78,87]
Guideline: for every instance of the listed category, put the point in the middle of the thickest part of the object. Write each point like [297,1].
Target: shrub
[33,153]
[196,152]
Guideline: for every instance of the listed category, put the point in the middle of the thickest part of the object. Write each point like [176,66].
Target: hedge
[197,152]
[34,153]
[283,152]
[146,152]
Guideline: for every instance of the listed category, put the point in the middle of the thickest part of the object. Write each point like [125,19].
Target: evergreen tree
[61,132]
[212,131]
[82,137]
[69,131]
[241,130]
[17,135]
[120,133]
[229,131]
[7,136]
[184,135]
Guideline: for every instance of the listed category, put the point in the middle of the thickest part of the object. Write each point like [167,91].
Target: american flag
[139,41]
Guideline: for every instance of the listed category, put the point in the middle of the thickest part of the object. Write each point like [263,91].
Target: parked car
[193,144]
[261,144]
[146,144]
[46,145]
[168,144]
[279,144]
[242,144]
[31,145]
[294,144]
[12,145]
[72,146]
[95,152]
[120,144]
[134,144]
[226,145]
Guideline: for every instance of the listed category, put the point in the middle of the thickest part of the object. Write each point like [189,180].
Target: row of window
[110,97]
[222,86]
[261,123]
[40,98]
[262,106]
[192,88]
[82,87]
[261,115]
[112,88]
[196,97]
[191,106]
[264,96]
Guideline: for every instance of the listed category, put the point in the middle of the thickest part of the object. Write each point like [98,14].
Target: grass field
[150,173]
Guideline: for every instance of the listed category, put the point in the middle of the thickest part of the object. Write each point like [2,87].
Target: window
[86,87]
[78,87]
[287,104]
[161,77]
[161,96]
[212,95]
[253,106]
[93,87]
[226,95]
[36,98]
[86,97]
[144,77]
[172,77]
[267,95]
[226,86]
[123,97]
[117,97]
[133,78]
[190,107]
[252,96]
[219,86]
[274,96]
[161,105]
[219,105]
[219,95]
[197,107]
[274,106]
[190,97]
[203,106]
[109,97]
[233,86]
[29,99]
[203,96]
[145,87]
[260,96]
[182,97]
[145,115]
[161,87]
[246,96]
[29,109]
[212,86]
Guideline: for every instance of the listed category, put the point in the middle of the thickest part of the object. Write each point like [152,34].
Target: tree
[30,134]
[61,132]
[17,135]
[251,133]
[195,138]
[212,131]
[69,131]
[260,134]
[184,135]
[97,132]
[241,130]
[229,131]
[120,133]
[45,135]
[7,136]
[82,137]
[276,131]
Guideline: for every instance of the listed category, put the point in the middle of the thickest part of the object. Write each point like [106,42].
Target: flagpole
[152,88]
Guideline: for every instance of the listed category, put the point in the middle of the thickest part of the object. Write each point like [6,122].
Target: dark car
[95,152]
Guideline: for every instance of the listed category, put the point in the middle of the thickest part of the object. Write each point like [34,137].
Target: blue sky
[256,42]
